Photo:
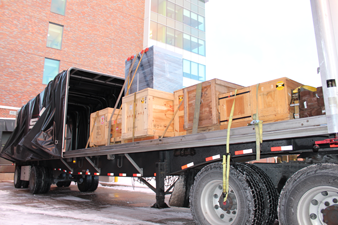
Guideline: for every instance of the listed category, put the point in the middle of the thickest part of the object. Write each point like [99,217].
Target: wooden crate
[179,118]
[274,99]
[100,121]
[209,111]
[153,111]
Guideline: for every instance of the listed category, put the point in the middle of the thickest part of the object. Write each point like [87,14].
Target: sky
[253,41]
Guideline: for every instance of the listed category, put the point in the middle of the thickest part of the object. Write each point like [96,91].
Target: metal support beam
[160,194]
[147,183]
[66,164]
[140,170]
[93,165]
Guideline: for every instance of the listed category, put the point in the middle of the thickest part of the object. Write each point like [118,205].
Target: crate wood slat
[154,109]
[209,112]
[274,99]
[100,131]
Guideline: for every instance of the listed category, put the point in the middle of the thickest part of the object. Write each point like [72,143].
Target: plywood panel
[153,112]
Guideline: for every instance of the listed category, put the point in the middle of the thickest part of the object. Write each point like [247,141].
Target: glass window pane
[170,36]
[179,2]
[161,33]
[201,49]
[153,30]
[201,11]
[193,21]
[50,70]
[194,70]
[186,42]
[154,5]
[58,6]
[201,23]
[194,32]
[186,4]
[186,68]
[162,7]
[186,17]
[171,10]
[194,8]
[54,37]
[194,1]
[201,4]
[179,39]
[194,45]
[179,13]
[201,72]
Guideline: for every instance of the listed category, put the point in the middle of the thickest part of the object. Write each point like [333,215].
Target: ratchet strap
[258,128]
[226,157]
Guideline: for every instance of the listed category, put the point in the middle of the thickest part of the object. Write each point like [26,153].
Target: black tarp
[38,133]
[63,107]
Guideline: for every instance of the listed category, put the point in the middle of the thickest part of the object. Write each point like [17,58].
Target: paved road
[107,205]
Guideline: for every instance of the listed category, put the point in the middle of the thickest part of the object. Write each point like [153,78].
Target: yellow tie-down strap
[226,158]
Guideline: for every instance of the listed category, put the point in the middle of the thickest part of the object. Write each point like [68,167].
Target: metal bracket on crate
[140,170]
[93,165]
[66,164]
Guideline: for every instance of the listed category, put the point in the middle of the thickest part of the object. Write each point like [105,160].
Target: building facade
[179,26]
[39,39]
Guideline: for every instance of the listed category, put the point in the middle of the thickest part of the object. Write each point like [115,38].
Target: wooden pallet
[153,112]
[274,99]
[100,121]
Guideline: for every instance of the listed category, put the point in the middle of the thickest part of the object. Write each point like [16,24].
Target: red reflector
[80,173]
[96,174]
[122,174]
[154,174]
[110,174]
[208,159]
[136,175]
[333,146]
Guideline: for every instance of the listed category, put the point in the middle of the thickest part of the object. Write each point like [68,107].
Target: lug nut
[313,216]
[222,216]
[324,193]
[314,202]
[215,196]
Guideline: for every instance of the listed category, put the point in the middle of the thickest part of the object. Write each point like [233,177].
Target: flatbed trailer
[51,148]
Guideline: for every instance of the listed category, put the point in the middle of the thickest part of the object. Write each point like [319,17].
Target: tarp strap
[165,131]
[258,128]
[197,108]
[226,157]
[134,116]
[128,87]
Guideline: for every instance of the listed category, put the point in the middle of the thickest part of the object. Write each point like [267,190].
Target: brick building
[38,39]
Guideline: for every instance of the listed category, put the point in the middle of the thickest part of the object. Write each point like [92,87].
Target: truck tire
[45,180]
[259,191]
[206,192]
[85,184]
[94,184]
[35,180]
[310,196]
[271,195]
[17,175]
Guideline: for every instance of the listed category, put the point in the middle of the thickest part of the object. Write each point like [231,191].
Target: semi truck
[49,146]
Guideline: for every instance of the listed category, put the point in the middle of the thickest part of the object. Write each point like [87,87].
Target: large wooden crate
[209,112]
[100,121]
[153,111]
[274,99]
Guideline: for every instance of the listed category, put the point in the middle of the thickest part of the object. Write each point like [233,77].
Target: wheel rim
[316,204]
[211,209]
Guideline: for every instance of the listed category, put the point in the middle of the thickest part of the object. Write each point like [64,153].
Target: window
[54,37]
[50,70]
[201,72]
[171,10]
[193,70]
[201,23]
[154,5]
[193,21]
[170,36]
[162,7]
[186,42]
[161,33]
[58,6]
[178,39]
[153,30]
[194,45]
[201,49]
[179,13]
[186,68]
[186,17]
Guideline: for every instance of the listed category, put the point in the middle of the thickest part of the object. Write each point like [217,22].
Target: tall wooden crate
[153,112]
[209,111]
[273,98]
[99,122]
